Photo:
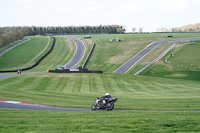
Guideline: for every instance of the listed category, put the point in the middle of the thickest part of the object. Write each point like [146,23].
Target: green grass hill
[164,86]
[25,54]
[185,63]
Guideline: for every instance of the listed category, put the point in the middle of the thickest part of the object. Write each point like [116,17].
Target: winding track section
[130,63]
[80,51]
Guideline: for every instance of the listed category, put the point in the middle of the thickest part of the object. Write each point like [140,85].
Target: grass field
[80,91]
[112,122]
[109,56]
[155,91]
[149,57]
[23,55]
[62,53]
[187,55]
[11,44]
[185,63]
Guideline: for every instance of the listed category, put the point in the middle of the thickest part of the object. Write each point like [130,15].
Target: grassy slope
[60,55]
[112,122]
[109,56]
[188,55]
[149,57]
[80,91]
[12,44]
[184,65]
[21,56]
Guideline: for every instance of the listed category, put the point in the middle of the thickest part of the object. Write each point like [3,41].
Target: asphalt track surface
[80,51]
[4,105]
[39,107]
[130,63]
[7,75]
[11,75]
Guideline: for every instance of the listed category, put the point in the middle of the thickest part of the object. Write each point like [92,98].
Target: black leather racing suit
[106,98]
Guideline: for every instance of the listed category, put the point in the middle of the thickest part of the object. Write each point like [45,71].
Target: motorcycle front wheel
[93,107]
[110,107]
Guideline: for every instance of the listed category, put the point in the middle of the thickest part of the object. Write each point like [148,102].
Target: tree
[134,29]
[120,30]
[140,30]
[11,34]
[1,43]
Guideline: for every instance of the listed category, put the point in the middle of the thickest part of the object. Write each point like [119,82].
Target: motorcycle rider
[105,98]
[104,103]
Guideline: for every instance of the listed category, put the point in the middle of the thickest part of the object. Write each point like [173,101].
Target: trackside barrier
[37,63]
[75,71]
[86,61]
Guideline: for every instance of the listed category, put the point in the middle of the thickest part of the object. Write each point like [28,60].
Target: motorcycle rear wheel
[111,107]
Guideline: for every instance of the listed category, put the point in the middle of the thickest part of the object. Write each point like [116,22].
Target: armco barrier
[75,71]
[86,61]
[37,63]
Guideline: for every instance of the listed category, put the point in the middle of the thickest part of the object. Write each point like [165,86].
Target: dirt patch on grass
[70,43]
[127,51]
[116,59]
[87,41]
[179,45]
[119,59]
[180,75]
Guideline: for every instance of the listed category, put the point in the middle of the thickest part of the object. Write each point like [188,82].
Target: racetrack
[130,63]
[26,106]
[4,105]
[11,75]
[38,107]
[80,51]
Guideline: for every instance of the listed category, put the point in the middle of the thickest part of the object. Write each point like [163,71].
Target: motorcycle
[102,104]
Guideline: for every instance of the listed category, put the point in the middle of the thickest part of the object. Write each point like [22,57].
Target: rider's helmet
[107,94]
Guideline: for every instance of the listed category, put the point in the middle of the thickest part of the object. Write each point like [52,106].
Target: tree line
[11,34]
[187,28]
